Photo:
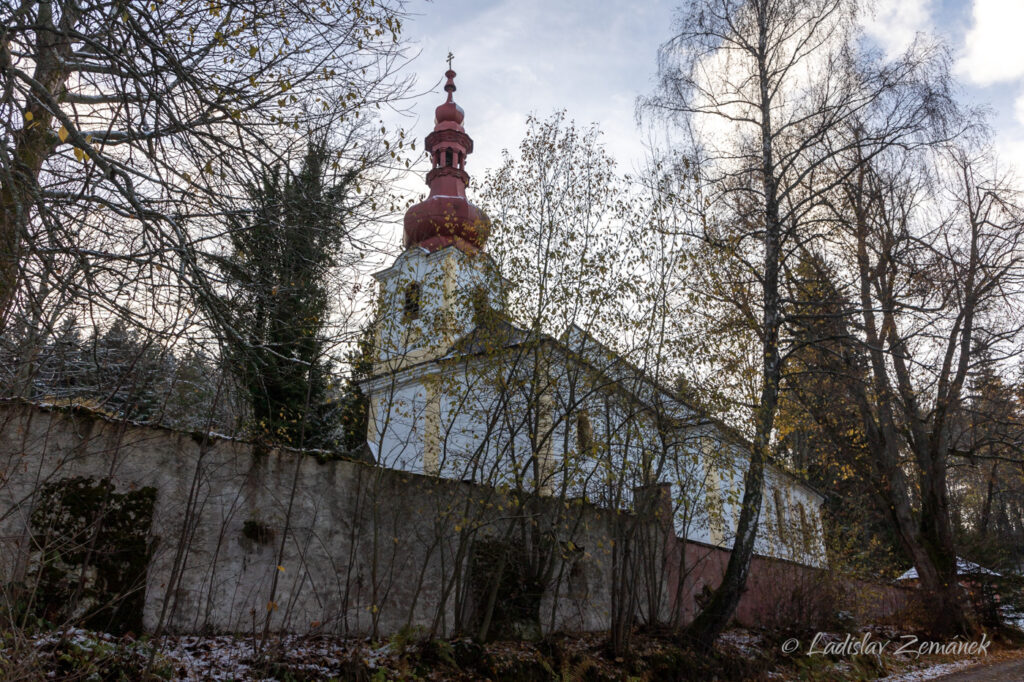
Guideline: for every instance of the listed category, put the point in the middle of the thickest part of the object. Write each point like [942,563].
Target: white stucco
[489,402]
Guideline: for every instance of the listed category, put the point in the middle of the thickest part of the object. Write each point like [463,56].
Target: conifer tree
[822,427]
[276,306]
[353,406]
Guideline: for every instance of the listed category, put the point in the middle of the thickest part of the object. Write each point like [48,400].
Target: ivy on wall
[91,547]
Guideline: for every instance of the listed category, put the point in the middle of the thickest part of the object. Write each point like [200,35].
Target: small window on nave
[805,528]
[780,511]
[584,433]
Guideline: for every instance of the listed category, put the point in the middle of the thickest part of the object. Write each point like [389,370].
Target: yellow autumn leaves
[80,153]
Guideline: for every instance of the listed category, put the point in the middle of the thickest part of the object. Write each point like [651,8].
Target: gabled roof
[498,334]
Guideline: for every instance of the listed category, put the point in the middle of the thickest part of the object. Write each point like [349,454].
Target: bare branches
[136,124]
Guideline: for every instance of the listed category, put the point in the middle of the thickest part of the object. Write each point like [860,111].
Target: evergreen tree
[123,372]
[61,370]
[194,395]
[353,404]
[274,313]
[988,481]
[115,370]
[821,424]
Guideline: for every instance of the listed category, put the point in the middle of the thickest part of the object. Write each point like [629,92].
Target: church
[545,474]
[461,391]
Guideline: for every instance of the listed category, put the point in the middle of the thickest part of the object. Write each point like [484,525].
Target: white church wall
[485,436]
[399,424]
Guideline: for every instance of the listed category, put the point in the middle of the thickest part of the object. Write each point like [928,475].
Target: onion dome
[446,217]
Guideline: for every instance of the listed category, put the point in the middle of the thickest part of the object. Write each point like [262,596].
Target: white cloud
[894,23]
[1011,151]
[993,49]
[515,57]
[1018,108]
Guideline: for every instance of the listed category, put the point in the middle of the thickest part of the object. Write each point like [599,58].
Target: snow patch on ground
[930,673]
[224,657]
[748,643]
[232,658]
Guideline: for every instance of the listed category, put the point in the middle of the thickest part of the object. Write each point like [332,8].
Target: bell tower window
[447,157]
[411,307]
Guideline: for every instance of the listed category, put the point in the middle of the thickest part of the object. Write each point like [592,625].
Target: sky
[593,58]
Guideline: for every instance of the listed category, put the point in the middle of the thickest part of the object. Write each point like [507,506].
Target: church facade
[460,391]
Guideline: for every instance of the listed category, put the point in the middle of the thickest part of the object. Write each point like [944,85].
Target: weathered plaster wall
[366,549]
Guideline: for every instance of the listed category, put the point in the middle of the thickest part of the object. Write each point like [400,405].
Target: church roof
[500,333]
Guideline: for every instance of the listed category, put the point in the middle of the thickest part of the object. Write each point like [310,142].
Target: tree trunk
[708,625]
[33,143]
[937,538]
[986,510]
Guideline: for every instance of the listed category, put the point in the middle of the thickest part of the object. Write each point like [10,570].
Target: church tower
[432,295]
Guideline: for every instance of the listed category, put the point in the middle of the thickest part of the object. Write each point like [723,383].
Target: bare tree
[937,243]
[763,90]
[128,126]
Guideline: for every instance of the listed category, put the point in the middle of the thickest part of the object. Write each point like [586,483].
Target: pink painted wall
[779,593]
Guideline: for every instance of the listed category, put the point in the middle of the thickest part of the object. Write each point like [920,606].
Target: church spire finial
[449,87]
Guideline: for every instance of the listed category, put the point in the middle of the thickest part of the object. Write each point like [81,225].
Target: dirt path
[1007,671]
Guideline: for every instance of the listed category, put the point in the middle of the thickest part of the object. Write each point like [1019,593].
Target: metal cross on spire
[450,58]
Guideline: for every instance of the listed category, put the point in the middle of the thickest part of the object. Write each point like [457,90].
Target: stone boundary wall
[357,549]
[366,550]
[778,593]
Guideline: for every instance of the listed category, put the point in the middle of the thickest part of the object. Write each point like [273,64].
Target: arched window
[411,307]
[447,157]
[805,527]
[780,512]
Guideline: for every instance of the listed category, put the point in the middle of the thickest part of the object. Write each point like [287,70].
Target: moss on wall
[500,583]
[258,532]
[91,548]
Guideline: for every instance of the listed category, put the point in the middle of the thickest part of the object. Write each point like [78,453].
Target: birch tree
[762,90]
